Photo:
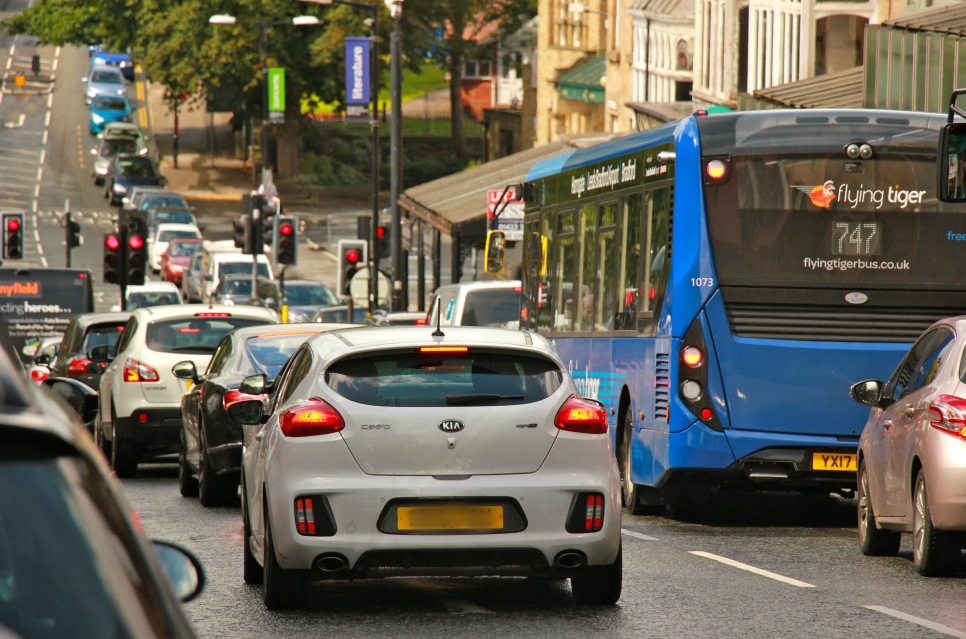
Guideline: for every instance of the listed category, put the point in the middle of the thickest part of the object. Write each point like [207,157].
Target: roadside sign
[276,95]
[356,76]
[510,220]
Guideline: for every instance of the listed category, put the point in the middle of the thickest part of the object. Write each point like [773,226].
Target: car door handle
[887,424]
[909,411]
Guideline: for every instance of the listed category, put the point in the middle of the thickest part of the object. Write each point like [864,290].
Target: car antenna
[439,316]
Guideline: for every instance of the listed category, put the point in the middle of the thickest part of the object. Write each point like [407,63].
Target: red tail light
[581,416]
[234,396]
[78,366]
[310,418]
[949,414]
[595,513]
[421,322]
[305,516]
[212,314]
[135,371]
[39,374]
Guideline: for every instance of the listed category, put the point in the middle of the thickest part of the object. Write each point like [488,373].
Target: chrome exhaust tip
[331,563]
[570,559]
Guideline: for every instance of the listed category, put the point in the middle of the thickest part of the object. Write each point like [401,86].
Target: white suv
[493,303]
[140,398]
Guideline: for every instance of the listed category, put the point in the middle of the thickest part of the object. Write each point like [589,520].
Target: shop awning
[583,81]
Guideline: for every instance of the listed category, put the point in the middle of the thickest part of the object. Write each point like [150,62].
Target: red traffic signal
[13,224]
[352,256]
[112,242]
[135,242]
[381,232]
[285,229]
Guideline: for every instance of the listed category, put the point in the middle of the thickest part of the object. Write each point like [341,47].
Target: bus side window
[544,298]
[607,250]
[563,274]
[587,249]
[629,278]
[658,256]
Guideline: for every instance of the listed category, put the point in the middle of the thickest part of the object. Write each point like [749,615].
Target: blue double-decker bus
[720,282]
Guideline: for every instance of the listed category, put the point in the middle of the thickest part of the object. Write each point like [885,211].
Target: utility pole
[68,245]
[400,284]
[264,26]
[374,121]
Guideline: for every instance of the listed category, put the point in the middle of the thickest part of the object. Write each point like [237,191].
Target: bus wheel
[629,490]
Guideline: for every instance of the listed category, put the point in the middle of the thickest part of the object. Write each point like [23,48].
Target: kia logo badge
[451,425]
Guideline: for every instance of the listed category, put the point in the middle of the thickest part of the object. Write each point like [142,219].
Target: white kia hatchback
[139,417]
[397,451]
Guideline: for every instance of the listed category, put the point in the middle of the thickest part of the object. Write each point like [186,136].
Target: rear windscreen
[194,334]
[167,236]
[476,378]
[242,268]
[270,352]
[494,307]
[101,335]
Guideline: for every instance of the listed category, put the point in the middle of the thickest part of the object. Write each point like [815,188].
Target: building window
[476,69]
[685,58]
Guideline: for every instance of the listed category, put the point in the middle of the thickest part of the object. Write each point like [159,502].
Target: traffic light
[114,257]
[13,235]
[352,257]
[285,247]
[240,232]
[136,251]
[35,64]
[255,237]
[382,242]
[73,234]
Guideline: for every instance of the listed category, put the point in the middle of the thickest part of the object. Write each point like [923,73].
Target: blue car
[120,61]
[109,108]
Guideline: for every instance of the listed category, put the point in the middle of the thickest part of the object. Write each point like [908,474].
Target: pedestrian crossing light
[13,235]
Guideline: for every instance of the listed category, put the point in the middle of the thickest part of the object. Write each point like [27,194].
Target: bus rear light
[135,371]
[717,170]
[691,390]
[693,377]
[310,418]
[581,416]
[948,414]
[692,356]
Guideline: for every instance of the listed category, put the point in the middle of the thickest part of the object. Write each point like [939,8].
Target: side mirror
[185,370]
[495,252]
[81,398]
[99,354]
[867,393]
[253,385]
[183,569]
[43,360]
[249,413]
[952,163]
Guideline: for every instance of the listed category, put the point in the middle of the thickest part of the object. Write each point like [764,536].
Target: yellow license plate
[834,461]
[450,518]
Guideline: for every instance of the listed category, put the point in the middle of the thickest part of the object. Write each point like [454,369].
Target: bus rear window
[476,378]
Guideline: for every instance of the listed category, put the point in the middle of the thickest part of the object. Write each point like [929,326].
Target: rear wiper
[477,398]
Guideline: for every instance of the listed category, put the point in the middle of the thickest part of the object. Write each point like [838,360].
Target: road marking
[34,206]
[37,191]
[637,535]
[12,47]
[57,52]
[47,119]
[757,571]
[20,121]
[43,155]
[40,174]
[50,100]
[460,607]
[40,249]
[45,134]
[932,625]
[9,62]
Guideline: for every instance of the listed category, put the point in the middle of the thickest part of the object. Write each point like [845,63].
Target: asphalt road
[820,584]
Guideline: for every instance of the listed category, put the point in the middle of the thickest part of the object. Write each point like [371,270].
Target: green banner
[276,90]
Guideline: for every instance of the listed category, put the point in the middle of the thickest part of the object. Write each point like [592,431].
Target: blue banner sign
[357,71]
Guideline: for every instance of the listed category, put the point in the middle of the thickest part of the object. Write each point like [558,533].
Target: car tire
[873,541]
[124,456]
[252,571]
[187,483]
[935,553]
[598,585]
[284,589]
[99,439]
[213,490]
[629,491]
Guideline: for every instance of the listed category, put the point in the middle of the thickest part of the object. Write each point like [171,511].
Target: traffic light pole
[68,227]
[374,121]
[400,282]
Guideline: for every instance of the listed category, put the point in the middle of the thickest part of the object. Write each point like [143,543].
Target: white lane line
[34,206]
[637,535]
[932,625]
[9,63]
[12,48]
[43,155]
[45,134]
[40,249]
[460,607]
[47,119]
[53,67]
[57,52]
[757,571]
[40,174]
[37,191]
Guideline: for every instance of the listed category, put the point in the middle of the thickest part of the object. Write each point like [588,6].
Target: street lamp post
[400,275]
[298,21]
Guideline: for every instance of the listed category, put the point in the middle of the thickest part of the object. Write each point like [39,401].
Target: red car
[175,260]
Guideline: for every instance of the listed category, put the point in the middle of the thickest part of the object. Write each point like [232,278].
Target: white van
[491,303]
[223,258]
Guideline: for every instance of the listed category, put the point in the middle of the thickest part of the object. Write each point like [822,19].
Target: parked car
[127,171]
[236,289]
[127,129]
[163,234]
[87,331]
[151,294]
[340,315]
[73,559]
[492,303]
[103,80]
[303,298]
[912,454]
[107,148]
[191,284]
[45,356]
[129,202]
[211,442]
[396,319]
[139,416]
[177,257]
[109,108]
[377,411]
[120,61]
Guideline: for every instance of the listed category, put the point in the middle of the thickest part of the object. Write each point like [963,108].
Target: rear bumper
[944,460]
[160,431]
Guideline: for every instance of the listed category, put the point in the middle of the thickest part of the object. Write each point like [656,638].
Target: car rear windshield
[270,352]
[493,307]
[107,77]
[309,296]
[241,268]
[340,315]
[146,300]
[101,335]
[136,169]
[110,104]
[112,147]
[164,200]
[476,378]
[193,334]
[237,287]
[183,249]
[167,236]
